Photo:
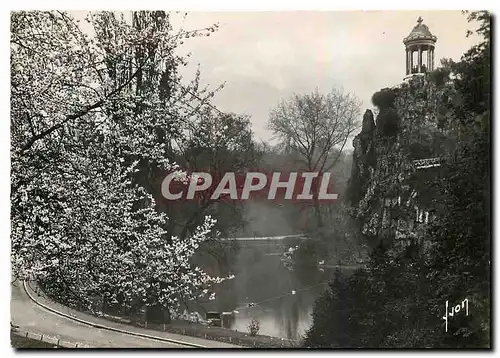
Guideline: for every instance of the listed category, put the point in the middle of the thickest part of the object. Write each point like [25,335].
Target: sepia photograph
[245,180]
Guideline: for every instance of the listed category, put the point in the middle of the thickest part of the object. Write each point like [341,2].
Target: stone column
[428,58]
[419,58]
[432,58]
[407,61]
[411,60]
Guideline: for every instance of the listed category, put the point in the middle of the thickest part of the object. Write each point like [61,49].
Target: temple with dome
[420,44]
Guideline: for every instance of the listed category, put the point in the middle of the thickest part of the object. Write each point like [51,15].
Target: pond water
[281,298]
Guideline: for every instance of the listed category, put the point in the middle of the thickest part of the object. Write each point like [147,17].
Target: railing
[427,163]
[55,341]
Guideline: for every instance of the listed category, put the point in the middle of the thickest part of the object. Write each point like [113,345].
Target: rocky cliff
[394,157]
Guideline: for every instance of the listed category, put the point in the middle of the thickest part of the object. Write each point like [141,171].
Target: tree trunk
[317,211]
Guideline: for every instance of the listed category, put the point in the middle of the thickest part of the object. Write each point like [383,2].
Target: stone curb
[96,325]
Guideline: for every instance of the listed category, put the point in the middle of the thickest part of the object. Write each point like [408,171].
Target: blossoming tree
[88,108]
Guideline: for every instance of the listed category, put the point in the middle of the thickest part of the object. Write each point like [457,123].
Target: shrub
[384,98]
[388,122]
[254,327]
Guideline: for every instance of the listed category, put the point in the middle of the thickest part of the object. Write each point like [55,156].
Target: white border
[190,5]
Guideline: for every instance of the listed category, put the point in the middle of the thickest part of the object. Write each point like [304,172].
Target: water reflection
[280,298]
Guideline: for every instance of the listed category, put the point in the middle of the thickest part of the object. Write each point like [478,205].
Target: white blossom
[77,214]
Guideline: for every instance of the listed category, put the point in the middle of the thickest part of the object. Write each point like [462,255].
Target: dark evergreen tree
[331,317]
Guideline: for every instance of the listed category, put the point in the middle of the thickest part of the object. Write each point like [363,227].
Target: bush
[388,122]
[331,326]
[254,327]
[440,76]
[384,98]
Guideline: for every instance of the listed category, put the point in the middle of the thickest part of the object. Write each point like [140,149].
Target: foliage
[472,75]
[254,327]
[384,98]
[314,124]
[403,294]
[388,121]
[315,128]
[217,143]
[333,306]
[440,75]
[86,114]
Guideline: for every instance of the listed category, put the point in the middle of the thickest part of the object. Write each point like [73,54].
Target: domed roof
[420,32]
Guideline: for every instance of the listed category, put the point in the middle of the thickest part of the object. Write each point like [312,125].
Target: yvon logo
[299,186]
[454,311]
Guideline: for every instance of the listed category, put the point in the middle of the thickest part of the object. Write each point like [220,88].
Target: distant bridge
[269,241]
[271,238]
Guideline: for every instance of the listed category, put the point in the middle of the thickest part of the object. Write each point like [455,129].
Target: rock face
[364,160]
[386,192]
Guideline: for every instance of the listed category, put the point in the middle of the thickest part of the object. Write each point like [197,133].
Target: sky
[266,56]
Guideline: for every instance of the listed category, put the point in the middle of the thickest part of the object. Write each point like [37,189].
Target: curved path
[30,315]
